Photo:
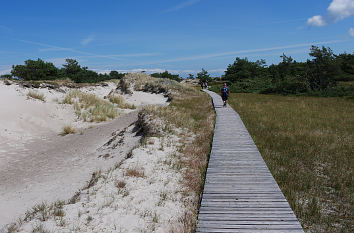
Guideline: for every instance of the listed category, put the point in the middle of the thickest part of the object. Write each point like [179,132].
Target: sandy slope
[36,164]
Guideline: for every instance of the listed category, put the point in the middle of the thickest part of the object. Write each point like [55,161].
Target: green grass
[308,144]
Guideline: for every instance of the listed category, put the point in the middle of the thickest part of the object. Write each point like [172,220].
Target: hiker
[225,94]
[202,84]
[206,84]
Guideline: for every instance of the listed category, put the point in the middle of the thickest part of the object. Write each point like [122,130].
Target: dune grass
[144,82]
[89,107]
[121,102]
[36,95]
[193,112]
[68,129]
[308,145]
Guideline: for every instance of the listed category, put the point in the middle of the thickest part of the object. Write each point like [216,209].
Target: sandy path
[55,167]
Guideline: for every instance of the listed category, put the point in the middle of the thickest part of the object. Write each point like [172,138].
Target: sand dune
[37,164]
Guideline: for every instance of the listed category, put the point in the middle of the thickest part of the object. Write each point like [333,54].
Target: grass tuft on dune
[89,107]
[121,102]
[36,95]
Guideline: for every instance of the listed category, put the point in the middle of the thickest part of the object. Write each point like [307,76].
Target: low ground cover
[308,145]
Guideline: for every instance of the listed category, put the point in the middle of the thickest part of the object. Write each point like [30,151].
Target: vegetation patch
[36,95]
[68,129]
[135,172]
[89,107]
[308,144]
[120,102]
[143,82]
[193,113]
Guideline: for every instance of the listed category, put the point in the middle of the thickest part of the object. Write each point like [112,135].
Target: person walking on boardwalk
[201,84]
[225,92]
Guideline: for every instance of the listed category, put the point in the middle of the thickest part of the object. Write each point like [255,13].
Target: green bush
[35,70]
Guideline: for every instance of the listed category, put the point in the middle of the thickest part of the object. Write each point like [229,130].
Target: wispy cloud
[351,31]
[134,55]
[4,28]
[48,47]
[5,71]
[337,10]
[87,40]
[247,51]
[182,5]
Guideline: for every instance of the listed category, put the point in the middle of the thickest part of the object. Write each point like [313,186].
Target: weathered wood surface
[240,193]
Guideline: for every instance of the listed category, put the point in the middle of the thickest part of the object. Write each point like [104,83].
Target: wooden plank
[240,194]
[210,230]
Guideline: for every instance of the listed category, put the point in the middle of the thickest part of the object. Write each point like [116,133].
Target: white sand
[36,163]
[23,119]
[140,98]
[153,203]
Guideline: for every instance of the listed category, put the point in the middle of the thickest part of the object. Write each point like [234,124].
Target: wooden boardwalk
[240,193]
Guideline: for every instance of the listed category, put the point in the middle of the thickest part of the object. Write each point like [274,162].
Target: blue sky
[182,36]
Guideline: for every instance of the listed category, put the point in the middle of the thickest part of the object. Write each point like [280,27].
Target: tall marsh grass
[89,107]
[308,145]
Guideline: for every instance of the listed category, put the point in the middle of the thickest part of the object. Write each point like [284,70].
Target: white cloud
[182,5]
[340,9]
[337,10]
[316,21]
[87,40]
[351,31]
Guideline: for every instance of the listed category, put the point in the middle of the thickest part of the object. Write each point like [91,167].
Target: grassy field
[308,145]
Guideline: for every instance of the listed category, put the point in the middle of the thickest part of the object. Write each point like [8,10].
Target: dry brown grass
[120,184]
[89,107]
[308,145]
[135,172]
[121,102]
[36,95]
[68,129]
[194,113]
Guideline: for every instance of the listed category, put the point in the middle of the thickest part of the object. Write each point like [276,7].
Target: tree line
[319,75]
[41,70]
